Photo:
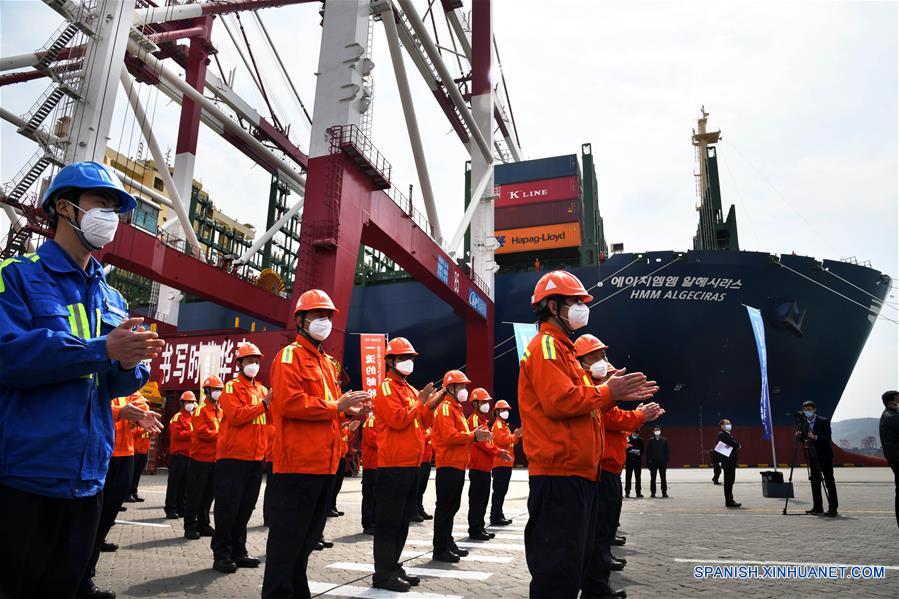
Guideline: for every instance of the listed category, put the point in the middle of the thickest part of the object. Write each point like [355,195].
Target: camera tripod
[811,459]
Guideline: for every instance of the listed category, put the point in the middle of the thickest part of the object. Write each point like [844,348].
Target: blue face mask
[727,427]
[808,413]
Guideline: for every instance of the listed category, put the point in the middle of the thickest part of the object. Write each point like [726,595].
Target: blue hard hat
[88,175]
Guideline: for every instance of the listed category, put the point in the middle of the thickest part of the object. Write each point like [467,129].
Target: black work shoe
[716,482]
[460,552]
[501,522]
[814,512]
[395,584]
[193,535]
[171,516]
[332,513]
[207,531]
[326,544]
[130,499]
[613,564]
[732,504]
[627,495]
[479,536]
[319,546]
[426,516]
[619,541]
[665,495]
[413,581]
[830,514]
[246,561]
[225,566]
[620,559]
[446,556]
[122,508]
[368,531]
[417,518]
[92,592]
[138,498]
[108,547]
[640,495]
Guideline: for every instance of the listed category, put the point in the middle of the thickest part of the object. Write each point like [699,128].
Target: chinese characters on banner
[372,348]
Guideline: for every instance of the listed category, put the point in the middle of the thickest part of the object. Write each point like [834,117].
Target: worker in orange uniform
[452,438]
[142,440]
[238,461]
[180,434]
[402,414]
[307,407]
[424,474]
[562,435]
[480,465]
[115,489]
[206,421]
[369,473]
[504,438]
[591,352]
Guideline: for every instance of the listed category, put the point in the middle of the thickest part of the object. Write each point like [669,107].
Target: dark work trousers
[895,468]
[237,485]
[396,498]
[140,462]
[559,536]
[478,497]
[501,477]
[298,506]
[615,516]
[729,469]
[424,474]
[824,469]
[200,493]
[716,465]
[115,489]
[662,470]
[337,483]
[47,542]
[608,498]
[369,497]
[634,467]
[265,499]
[177,484]
[449,482]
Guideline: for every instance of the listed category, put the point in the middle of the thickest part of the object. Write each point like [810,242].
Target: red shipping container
[537,192]
[537,215]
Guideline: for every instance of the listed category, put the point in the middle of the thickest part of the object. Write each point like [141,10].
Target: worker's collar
[398,380]
[307,343]
[58,260]
[242,377]
[557,333]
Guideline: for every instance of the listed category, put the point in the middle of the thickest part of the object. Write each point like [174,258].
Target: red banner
[372,348]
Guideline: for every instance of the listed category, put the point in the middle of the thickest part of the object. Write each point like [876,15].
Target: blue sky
[805,94]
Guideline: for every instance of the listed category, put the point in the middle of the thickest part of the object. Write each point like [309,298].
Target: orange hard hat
[559,282]
[502,404]
[247,350]
[314,299]
[213,382]
[400,346]
[479,394]
[586,344]
[188,396]
[455,377]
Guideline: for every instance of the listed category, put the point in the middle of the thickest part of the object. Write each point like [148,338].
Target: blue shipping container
[534,170]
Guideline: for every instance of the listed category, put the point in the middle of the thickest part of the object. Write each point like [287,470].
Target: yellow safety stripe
[465,424]
[446,409]
[176,417]
[549,347]
[587,380]
[13,260]
[385,387]
[229,387]
[526,355]
[287,355]
[475,421]
[97,327]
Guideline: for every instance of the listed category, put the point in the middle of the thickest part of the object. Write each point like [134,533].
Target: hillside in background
[856,430]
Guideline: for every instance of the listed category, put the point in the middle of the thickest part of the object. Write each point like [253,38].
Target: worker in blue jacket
[67,347]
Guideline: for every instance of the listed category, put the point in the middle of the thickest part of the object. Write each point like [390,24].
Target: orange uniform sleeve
[446,431]
[292,382]
[617,419]
[394,411]
[427,417]
[182,428]
[561,397]
[116,409]
[204,428]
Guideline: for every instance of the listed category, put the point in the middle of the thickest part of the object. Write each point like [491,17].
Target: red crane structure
[348,196]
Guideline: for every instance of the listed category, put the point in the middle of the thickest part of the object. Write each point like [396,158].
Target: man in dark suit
[889,437]
[728,461]
[657,455]
[820,460]
[634,463]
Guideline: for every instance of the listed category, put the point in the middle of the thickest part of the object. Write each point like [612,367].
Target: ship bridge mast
[713,232]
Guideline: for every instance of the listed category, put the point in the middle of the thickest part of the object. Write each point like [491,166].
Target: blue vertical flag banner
[758,328]
[524,332]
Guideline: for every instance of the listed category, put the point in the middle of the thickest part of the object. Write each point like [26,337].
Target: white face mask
[598,370]
[484,408]
[216,394]
[727,427]
[504,414]
[320,328]
[657,433]
[578,315]
[251,370]
[462,395]
[405,367]
[98,227]
[189,406]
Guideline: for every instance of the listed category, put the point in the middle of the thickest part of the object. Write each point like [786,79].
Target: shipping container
[533,192]
[531,239]
[537,215]
[535,170]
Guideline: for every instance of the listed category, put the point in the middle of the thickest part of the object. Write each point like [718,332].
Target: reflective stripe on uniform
[8,261]
[287,355]
[385,388]
[526,355]
[229,387]
[445,411]
[549,347]
[587,380]
[78,321]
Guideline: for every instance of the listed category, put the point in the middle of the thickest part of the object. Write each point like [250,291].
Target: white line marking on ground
[770,563]
[142,524]
[433,572]
[328,588]
[474,557]
[498,535]
[476,545]
[502,528]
